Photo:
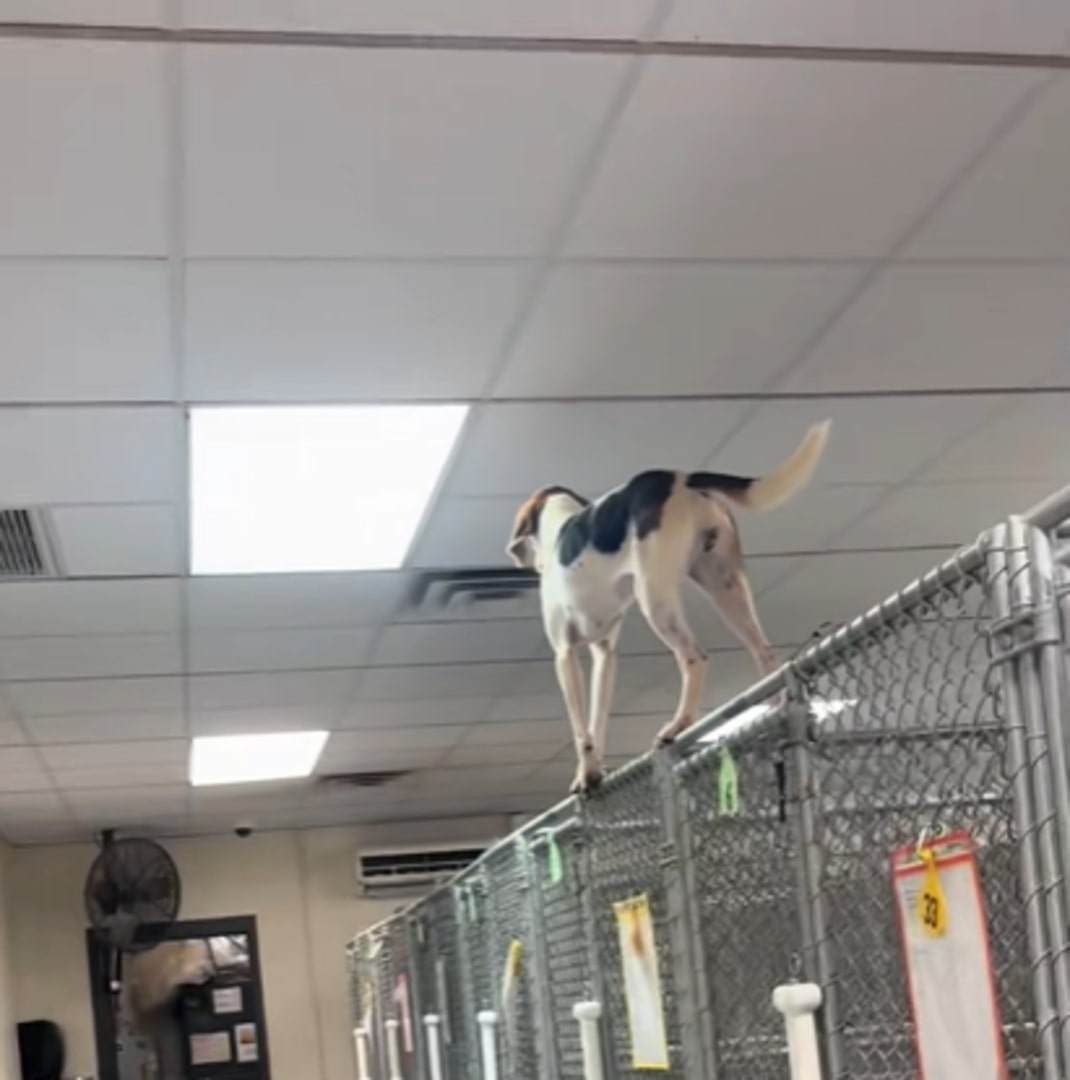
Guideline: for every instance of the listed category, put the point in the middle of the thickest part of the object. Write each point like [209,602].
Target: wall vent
[24,547]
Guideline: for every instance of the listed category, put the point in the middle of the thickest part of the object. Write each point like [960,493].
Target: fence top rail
[1051,512]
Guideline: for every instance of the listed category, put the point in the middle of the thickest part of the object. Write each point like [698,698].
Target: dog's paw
[587,781]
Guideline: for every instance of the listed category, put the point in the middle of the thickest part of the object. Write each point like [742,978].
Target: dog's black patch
[604,525]
[715,481]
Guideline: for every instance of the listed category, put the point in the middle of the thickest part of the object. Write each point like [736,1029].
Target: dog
[638,544]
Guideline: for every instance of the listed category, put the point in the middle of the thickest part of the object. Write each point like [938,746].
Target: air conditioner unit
[407,871]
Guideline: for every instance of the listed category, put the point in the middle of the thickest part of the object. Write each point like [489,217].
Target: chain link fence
[759,852]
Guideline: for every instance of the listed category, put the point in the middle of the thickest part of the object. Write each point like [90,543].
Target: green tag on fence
[553,852]
[727,786]
[462,903]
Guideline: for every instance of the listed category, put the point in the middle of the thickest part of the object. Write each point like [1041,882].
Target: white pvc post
[488,1042]
[360,1041]
[432,1024]
[588,1013]
[798,1002]
[393,1049]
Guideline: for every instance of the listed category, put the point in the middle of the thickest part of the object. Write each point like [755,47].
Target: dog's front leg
[603,680]
[570,678]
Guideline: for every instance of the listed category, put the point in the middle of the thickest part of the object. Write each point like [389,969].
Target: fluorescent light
[246,759]
[296,488]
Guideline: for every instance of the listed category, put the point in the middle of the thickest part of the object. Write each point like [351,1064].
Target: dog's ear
[521,546]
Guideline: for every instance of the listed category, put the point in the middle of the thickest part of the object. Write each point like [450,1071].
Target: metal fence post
[595,968]
[542,1014]
[1006,646]
[817,946]
[689,958]
[414,934]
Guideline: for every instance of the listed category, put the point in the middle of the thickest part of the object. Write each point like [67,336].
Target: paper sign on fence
[642,984]
[948,961]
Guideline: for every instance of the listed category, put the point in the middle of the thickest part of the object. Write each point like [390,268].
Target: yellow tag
[932,904]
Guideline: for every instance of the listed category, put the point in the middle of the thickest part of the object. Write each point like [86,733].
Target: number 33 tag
[932,904]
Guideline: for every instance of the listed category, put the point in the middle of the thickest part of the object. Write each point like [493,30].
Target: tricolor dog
[638,544]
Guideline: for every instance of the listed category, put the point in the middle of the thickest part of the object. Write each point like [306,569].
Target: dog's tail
[767,492]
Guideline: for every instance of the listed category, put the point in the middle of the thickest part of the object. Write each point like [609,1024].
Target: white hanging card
[948,961]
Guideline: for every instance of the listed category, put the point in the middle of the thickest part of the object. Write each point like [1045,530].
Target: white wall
[299,885]
[9,1054]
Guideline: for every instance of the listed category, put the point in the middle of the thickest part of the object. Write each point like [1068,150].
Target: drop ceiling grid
[178,320]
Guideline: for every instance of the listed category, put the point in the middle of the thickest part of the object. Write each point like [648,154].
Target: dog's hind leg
[722,578]
[664,612]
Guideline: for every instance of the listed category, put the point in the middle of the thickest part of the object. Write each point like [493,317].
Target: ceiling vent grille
[492,593]
[364,779]
[24,548]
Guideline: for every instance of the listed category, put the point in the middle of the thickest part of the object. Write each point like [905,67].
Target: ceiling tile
[84,331]
[968,25]
[110,727]
[85,148]
[293,600]
[1027,440]
[99,12]
[107,755]
[947,327]
[11,733]
[356,331]
[535,732]
[32,806]
[948,514]
[555,18]
[1013,204]
[37,608]
[260,720]
[434,153]
[380,714]
[466,532]
[76,697]
[77,455]
[265,650]
[30,778]
[90,656]
[430,682]
[529,754]
[525,707]
[121,776]
[512,449]
[118,541]
[862,147]
[134,806]
[455,643]
[279,689]
[355,744]
[873,440]
[837,588]
[669,329]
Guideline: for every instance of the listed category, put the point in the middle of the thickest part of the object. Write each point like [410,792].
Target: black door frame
[104,1017]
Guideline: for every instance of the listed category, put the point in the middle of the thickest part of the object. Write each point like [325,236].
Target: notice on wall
[948,961]
[642,984]
[210,1048]
[227,1001]
[247,1042]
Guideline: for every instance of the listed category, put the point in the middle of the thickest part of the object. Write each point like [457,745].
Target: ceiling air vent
[494,593]
[24,548]
[364,779]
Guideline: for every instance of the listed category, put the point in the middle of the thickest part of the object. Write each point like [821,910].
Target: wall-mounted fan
[132,895]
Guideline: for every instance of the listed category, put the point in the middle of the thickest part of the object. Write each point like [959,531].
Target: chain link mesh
[745,864]
[901,726]
[626,843]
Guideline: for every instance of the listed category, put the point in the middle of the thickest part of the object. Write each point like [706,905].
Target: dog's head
[523,546]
